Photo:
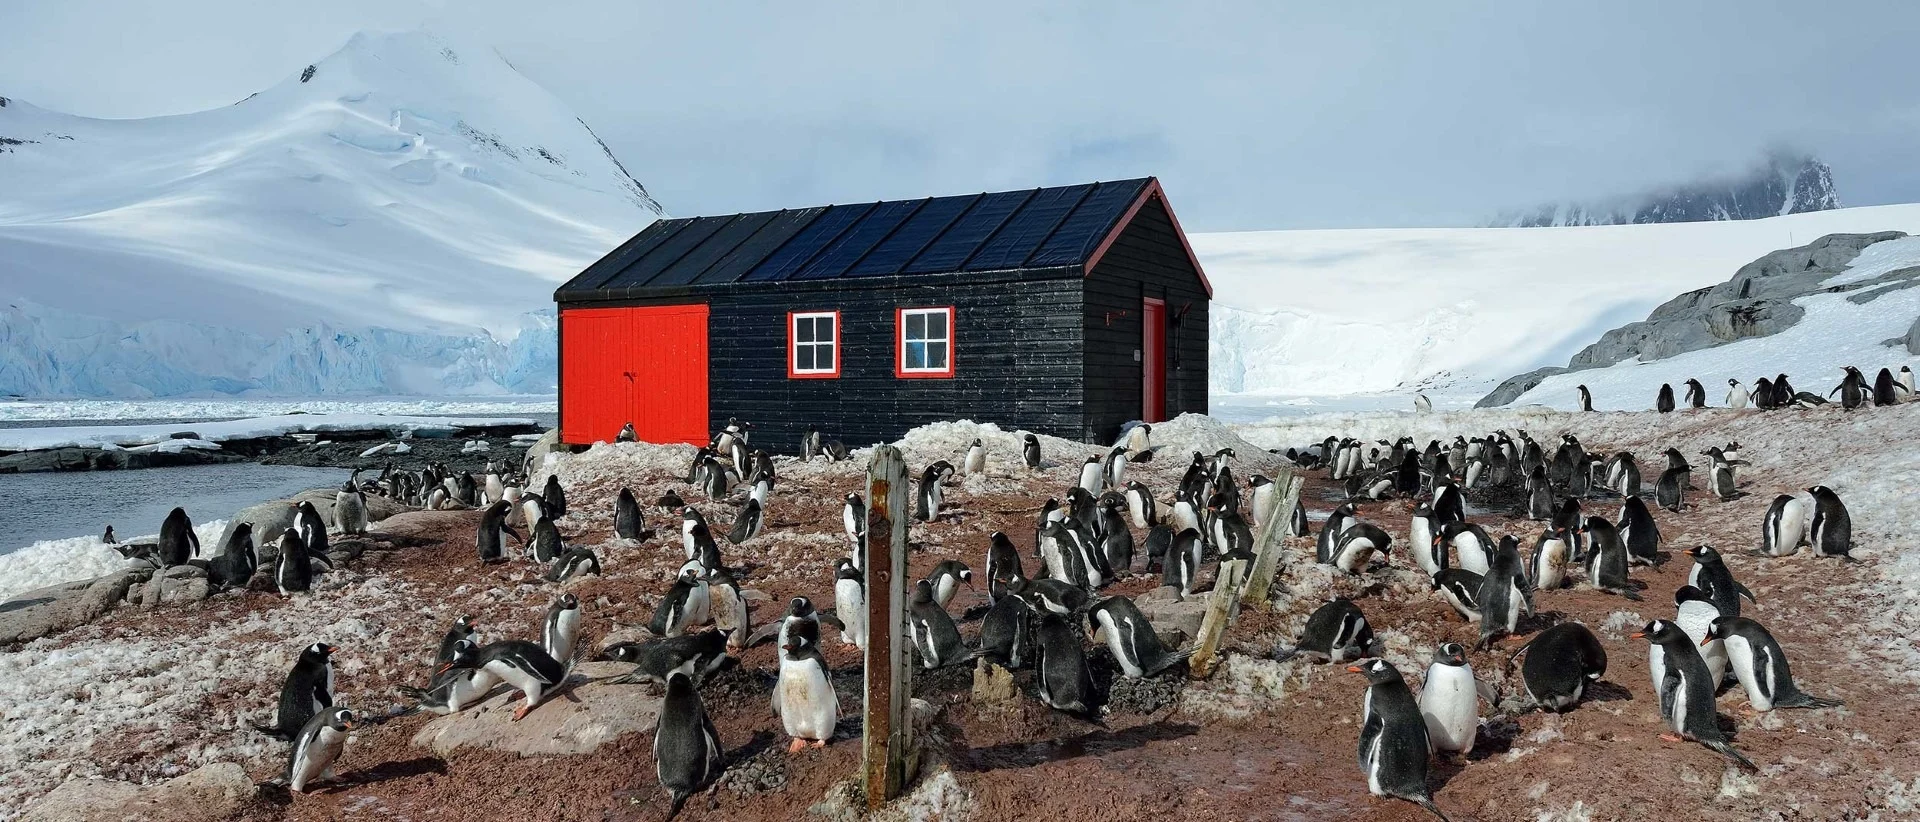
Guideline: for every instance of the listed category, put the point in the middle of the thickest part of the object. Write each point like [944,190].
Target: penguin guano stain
[1067,311]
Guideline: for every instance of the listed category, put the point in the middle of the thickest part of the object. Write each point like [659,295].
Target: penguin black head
[800,607]
[1450,653]
[318,651]
[1703,554]
[1660,630]
[1720,628]
[569,602]
[617,652]
[1688,593]
[341,719]
[922,592]
[1377,671]
[465,623]
[976,440]
[1733,383]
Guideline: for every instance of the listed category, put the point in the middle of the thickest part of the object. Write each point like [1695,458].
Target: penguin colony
[1044,602]
[1854,391]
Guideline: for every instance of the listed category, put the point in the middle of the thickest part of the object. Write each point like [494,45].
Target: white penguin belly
[1117,644]
[699,605]
[1449,701]
[566,630]
[1695,618]
[808,706]
[1550,567]
[1740,657]
[1091,475]
[1472,556]
[1353,558]
[851,607]
[316,758]
[519,680]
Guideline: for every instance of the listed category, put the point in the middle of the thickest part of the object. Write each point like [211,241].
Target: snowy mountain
[389,220]
[1783,183]
[1326,313]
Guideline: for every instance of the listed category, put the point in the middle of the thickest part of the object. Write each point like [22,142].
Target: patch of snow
[237,408]
[211,433]
[55,561]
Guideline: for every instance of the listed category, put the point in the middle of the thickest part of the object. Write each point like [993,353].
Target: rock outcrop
[588,714]
[212,792]
[57,608]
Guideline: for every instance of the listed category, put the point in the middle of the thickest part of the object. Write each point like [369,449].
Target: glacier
[390,220]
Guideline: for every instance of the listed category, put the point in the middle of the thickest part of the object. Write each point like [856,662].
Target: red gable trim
[1151,191]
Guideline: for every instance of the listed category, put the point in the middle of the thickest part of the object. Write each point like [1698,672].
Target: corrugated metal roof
[1043,228]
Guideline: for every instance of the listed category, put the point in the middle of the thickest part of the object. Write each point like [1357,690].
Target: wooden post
[1273,539]
[887,734]
[1213,626]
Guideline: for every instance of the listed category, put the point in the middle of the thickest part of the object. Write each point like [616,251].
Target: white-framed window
[813,344]
[925,342]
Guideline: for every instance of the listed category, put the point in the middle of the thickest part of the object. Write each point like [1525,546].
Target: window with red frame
[924,342]
[813,344]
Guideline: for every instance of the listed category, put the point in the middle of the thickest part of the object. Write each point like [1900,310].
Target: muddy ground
[1261,740]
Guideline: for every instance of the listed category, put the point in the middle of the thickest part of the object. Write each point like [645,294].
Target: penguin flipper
[764,634]
[830,619]
[1742,589]
[1427,802]
[1801,699]
[274,731]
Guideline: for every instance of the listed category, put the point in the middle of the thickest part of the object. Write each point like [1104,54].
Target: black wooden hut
[1066,311]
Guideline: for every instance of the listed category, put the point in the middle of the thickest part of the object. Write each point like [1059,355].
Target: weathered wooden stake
[1213,626]
[1273,539]
[887,734]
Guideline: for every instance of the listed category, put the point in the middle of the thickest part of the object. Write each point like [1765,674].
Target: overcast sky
[1255,115]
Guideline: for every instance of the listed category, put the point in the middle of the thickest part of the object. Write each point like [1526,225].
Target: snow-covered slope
[387,220]
[1353,311]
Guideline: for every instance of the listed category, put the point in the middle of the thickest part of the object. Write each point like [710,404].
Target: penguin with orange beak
[317,747]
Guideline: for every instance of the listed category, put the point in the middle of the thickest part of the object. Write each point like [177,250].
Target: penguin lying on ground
[705,651]
[523,665]
[1131,638]
[1336,632]
[1561,662]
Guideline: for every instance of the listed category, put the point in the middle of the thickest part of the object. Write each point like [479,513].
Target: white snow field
[1303,314]
[205,408]
[54,561]
[211,433]
[385,221]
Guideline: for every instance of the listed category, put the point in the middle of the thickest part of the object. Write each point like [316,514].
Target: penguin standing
[1736,394]
[1469,546]
[1450,701]
[1329,540]
[976,461]
[1092,475]
[494,530]
[627,434]
[728,606]
[1003,564]
[1030,451]
[547,544]
[306,692]
[1639,532]
[1114,473]
[686,748]
[561,629]
[928,497]
[1539,494]
[1461,589]
[1785,528]
[1711,575]
[237,561]
[1606,559]
[178,542]
[1831,531]
[628,522]
[1131,638]
[1551,555]
[555,496]
[1696,394]
[947,577]
[1336,632]
[1182,562]
[1664,402]
[853,518]
[1671,493]
[108,537]
[1694,613]
[804,696]
[1586,398]
[1761,666]
[810,443]
[850,603]
[1140,504]
[1686,692]
[1393,737]
[675,611]
[350,507]
[1853,389]
[1885,390]
[1504,594]
[1140,440]
[1065,683]
[1720,475]
[1906,382]
[316,747]
[1003,631]
[292,570]
[934,634]
[1561,662]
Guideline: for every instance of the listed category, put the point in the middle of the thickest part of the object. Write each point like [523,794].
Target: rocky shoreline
[460,447]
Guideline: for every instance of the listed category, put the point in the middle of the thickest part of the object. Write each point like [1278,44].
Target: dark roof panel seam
[1008,220]
[884,238]
[674,227]
[1064,216]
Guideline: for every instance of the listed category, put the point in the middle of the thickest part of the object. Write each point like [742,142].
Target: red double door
[646,365]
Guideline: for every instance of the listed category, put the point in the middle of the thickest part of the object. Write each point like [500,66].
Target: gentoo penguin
[654,659]
[1694,613]
[1420,542]
[1358,545]
[1186,515]
[748,524]
[1330,531]
[492,536]
[947,577]
[1561,662]
[1422,405]
[1624,475]
[1606,558]
[1140,505]
[493,489]
[1461,589]
[853,518]
[1140,439]
[462,629]
[1885,390]
[1003,564]
[1664,402]
[1906,382]
[1003,632]
[727,605]
[1711,575]
[555,496]
[1393,737]
[1696,394]
[1504,593]
[237,561]
[1057,596]
[804,696]
[976,461]
[574,562]
[627,519]
[1131,638]
[850,603]
[686,748]
[1539,494]
[532,508]
[928,496]
[1736,394]
[1297,527]
[178,542]
[716,479]
[1233,538]
[522,665]
[675,611]
[1586,398]
[1060,558]
[1831,532]
[1761,666]
[1092,474]
[1763,394]
[1450,701]
[1671,493]
[1030,451]
[669,503]
[1465,545]
[455,687]
[561,629]
[1114,473]
[1686,692]
[108,537]
[1785,528]
[1449,502]
[1336,632]
[306,692]
[1853,389]
[1639,532]
[810,443]
[934,634]
[627,434]
[350,507]
[316,747]
[1720,475]
[1065,683]
[1182,562]
[292,570]
[1116,539]
[1551,555]
[546,545]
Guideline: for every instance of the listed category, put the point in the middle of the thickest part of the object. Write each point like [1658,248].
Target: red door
[645,365]
[1153,360]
